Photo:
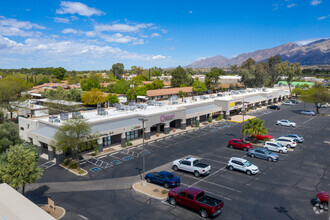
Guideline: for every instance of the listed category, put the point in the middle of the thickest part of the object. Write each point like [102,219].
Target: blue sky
[92,35]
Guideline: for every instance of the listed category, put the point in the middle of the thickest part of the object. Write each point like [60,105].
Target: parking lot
[281,190]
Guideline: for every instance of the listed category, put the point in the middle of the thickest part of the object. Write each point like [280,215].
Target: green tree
[272,62]
[71,134]
[136,70]
[118,70]
[9,136]
[44,79]
[93,97]
[138,91]
[179,77]
[157,84]
[21,167]
[120,87]
[289,71]
[317,95]
[112,98]
[254,127]
[212,78]
[93,81]
[199,86]
[11,88]
[139,79]
[59,73]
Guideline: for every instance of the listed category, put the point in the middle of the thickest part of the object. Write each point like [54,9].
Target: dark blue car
[164,178]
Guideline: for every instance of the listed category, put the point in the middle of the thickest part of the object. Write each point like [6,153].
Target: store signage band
[167,117]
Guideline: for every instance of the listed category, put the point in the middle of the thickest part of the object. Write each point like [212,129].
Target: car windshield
[243,142]
[170,176]
[280,145]
[247,163]
[267,152]
[195,162]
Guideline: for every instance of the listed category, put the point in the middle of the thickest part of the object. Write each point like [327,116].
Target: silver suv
[236,163]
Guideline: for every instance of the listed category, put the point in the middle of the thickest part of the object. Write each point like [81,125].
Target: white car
[288,103]
[236,163]
[285,122]
[286,141]
[191,165]
[274,146]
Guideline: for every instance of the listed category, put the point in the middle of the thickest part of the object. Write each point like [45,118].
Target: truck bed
[201,165]
[209,201]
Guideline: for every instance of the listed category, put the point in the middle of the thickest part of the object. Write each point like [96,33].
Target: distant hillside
[315,53]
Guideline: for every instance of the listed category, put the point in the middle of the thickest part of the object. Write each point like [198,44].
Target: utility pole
[149,74]
[143,156]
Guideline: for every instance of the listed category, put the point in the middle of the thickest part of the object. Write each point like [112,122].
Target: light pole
[143,156]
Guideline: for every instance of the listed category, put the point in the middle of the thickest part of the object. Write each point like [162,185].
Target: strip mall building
[117,125]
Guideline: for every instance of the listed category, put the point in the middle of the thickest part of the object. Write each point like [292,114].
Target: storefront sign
[167,117]
[232,104]
[135,127]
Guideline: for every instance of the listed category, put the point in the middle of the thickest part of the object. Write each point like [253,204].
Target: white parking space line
[204,158]
[102,157]
[309,120]
[226,187]
[217,195]
[227,158]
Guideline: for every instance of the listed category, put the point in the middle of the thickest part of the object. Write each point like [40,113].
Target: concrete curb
[152,196]
[64,211]
[75,172]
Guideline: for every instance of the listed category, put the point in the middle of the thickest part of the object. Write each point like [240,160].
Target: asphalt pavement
[281,190]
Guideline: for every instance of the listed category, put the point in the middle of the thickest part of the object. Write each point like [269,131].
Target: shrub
[95,150]
[209,119]
[164,191]
[81,172]
[67,162]
[80,157]
[197,124]
[219,117]
[128,143]
[73,165]
[204,123]
[93,154]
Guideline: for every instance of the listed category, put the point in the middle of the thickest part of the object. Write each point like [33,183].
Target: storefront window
[132,135]
[106,141]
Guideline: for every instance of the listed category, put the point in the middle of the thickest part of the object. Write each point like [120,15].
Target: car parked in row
[322,200]
[285,122]
[276,107]
[263,137]
[191,165]
[236,163]
[288,103]
[263,153]
[274,146]
[196,199]
[163,178]
[239,144]
[294,101]
[323,105]
[307,112]
[296,137]
[286,141]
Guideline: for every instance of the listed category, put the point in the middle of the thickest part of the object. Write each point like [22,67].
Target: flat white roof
[14,205]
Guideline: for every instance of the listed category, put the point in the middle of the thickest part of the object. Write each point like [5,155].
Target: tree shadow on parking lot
[38,195]
[284,211]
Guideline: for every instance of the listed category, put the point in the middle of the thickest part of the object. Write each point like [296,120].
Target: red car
[196,199]
[240,144]
[263,137]
[321,200]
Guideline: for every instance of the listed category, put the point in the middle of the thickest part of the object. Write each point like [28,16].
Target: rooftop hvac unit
[64,116]
[141,106]
[77,115]
[102,111]
[151,102]
[52,118]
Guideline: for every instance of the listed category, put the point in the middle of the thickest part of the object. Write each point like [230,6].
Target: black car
[276,107]
[294,101]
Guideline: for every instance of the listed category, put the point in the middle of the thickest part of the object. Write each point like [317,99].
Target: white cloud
[119,38]
[316,2]
[121,27]
[164,31]
[323,17]
[69,49]
[291,5]
[13,27]
[307,41]
[77,8]
[155,35]
[62,20]
[190,12]
[275,7]
[71,31]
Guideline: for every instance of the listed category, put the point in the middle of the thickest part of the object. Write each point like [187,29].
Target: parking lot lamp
[143,156]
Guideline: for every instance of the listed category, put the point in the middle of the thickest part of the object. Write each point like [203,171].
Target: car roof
[288,138]
[164,173]
[238,158]
[270,142]
[263,149]
[194,191]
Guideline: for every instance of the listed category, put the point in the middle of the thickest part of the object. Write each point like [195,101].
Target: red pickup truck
[196,199]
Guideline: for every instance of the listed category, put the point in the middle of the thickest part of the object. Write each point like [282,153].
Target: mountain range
[314,53]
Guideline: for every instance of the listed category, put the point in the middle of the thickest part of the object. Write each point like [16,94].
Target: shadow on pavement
[38,195]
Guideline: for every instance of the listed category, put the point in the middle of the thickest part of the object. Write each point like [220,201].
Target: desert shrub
[73,165]
[67,162]
[80,157]
[209,119]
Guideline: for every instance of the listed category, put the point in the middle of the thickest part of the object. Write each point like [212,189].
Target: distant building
[229,79]
[166,84]
[167,93]
[162,77]
[313,79]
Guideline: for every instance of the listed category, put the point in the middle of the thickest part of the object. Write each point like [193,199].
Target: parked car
[322,200]
[288,103]
[196,199]
[286,141]
[276,107]
[163,178]
[191,165]
[294,101]
[274,146]
[323,105]
[263,153]
[308,112]
[285,122]
[240,144]
[263,137]
[297,138]
[236,163]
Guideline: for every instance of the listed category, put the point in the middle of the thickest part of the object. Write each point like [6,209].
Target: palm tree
[254,127]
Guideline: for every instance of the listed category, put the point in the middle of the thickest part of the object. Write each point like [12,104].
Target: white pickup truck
[192,165]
